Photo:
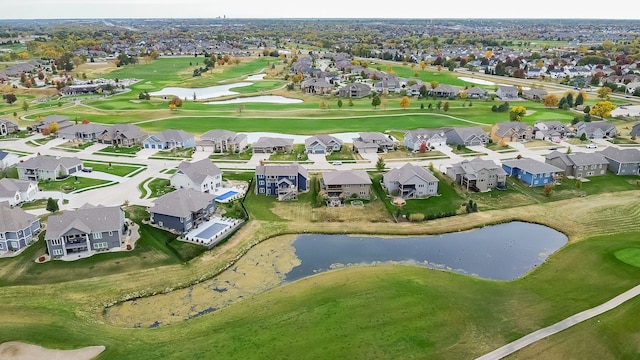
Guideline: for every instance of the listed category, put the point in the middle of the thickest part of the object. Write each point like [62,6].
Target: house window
[56,242]
[100,245]
[110,233]
[160,223]
[261,182]
[58,252]
[1,246]
[261,190]
[97,235]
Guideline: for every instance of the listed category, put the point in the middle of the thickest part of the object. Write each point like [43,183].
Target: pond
[499,252]
[502,252]
[274,99]
[201,93]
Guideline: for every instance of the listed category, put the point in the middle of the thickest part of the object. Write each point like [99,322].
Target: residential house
[268,145]
[388,85]
[635,130]
[444,90]
[511,131]
[595,130]
[202,175]
[15,191]
[182,210]
[46,167]
[414,139]
[550,130]
[531,172]
[223,141]
[372,143]
[283,181]
[62,121]
[7,159]
[354,90]
[82,132]
[316,86]
[506,92]
[343,184]
[410,182]
[466,136]
[478,175]
[85,230]
[476,93]
[622,161]
[17,228]
[579,165]
[534,94]
[322,144]
[122,135]
[7,127]
[169,139]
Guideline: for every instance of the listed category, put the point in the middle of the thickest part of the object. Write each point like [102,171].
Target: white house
[7,159]
[203,176]
[16,191]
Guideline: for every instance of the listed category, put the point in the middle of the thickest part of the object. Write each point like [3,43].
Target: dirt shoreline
[16,350]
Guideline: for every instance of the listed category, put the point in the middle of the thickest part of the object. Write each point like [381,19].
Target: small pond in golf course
[499,252]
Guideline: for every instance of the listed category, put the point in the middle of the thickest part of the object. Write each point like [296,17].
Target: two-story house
[531,172]
[410,182]
[222,141]
[84,231]
[579,165]
[182,210]
[343,184]
[283,181]
[202,175]
[478,175]
[46,167]
[507,92]
[553,131]
[17,228]
[354,90]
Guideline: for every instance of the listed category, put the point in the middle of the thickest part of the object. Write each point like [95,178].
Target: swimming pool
[226,195]
[210,231]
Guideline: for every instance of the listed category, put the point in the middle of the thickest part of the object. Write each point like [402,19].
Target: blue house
[532,172]
[182,210]
[284,181]
[17,228]
[169,139]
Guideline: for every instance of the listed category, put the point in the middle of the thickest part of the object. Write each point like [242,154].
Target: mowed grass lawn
[390,312]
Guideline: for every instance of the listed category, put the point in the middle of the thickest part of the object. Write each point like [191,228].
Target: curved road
[562,325]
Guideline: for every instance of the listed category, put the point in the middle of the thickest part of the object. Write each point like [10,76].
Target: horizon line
[317,18]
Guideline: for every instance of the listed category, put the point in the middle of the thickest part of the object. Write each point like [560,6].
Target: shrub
[41,259]
[416,217]
[128,247]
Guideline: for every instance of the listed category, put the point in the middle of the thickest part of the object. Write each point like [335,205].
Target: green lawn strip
[159,187]
[71,184]
[173,154]
[390,312]
[259,206]
[143,190]
[120,150]
[112,168]
[345,153]
[298,154]
[110,183]
[75,145]
[243,156]
[629,256]
[35,204]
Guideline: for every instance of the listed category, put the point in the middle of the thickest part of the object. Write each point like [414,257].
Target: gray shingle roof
[181,203]
[87,219]
[346,177]
[621,155]
[265,141]
[47,162]
[14,219]
[199,170]
[281,170]
[8,187]
[407,171]
[532,166]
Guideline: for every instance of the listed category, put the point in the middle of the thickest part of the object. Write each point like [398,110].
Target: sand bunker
[16,350]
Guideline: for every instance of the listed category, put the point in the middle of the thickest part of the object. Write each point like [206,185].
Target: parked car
[87,169]
[591,146]
[337,163]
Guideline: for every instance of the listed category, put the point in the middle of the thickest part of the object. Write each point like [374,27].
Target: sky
[460,9]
